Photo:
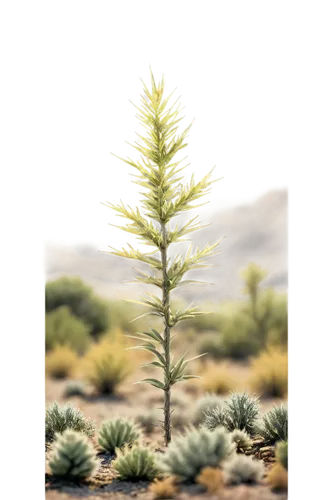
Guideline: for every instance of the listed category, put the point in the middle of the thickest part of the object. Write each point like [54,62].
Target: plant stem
[166,305]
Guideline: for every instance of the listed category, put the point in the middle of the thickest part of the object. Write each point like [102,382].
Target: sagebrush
[274,425]
[240,411]
[188,454]
[59,419]
[243,469]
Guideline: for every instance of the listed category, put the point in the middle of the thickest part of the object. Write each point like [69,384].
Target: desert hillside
[255,232]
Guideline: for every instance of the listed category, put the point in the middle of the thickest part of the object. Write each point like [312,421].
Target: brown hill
[254,232]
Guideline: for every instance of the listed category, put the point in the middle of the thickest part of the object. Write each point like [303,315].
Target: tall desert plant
[165,197]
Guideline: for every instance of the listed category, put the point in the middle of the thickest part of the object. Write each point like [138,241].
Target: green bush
[266,308]
[63,328]
[79,297]
[135,464]
[73,457]
[274,425]
[117,433]
[187,455]
[240,411]
[282,453]
[59,419]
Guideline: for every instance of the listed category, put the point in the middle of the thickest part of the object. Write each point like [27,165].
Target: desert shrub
[73,456]
[269,373]
[277,478]
[274,310]
[106,365]
[212,479]
[243,469]
[240,411]
[60,362]
[75,388]
[266,308]
[241,439]
[117,433]
[204,404]
[274,425]
[282,453]
[214,418]
[58,420]
[216,379]
[211,344]
[63,328]
[79,297]
[135,464]
[188,454]
[238,339]
[163,488]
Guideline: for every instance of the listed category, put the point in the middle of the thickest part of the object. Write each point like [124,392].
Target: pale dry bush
[277,478]
[106,365]
[217,379]
[269,373]
[164,488]
[61,362]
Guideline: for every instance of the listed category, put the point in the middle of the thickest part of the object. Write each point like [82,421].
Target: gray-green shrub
[243,469]
[240,411]
[117,433]
[63,328]
[135,464]
[204,404]
[186,455]
[58,420]
[73,456]
[274,425]
[71,291]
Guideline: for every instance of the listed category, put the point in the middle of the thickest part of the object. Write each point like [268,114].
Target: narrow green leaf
[188,377]
[158,335]
[147,314]
[153,363]
[140,303]
[152,381]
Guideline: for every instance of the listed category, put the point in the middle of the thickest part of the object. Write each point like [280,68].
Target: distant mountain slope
[256,228]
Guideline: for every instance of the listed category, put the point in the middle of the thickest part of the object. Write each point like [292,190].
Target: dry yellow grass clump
[277,478]
[60,362]
[106,365]
[212,479]
[216,379]
[269,373]
[165,488]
